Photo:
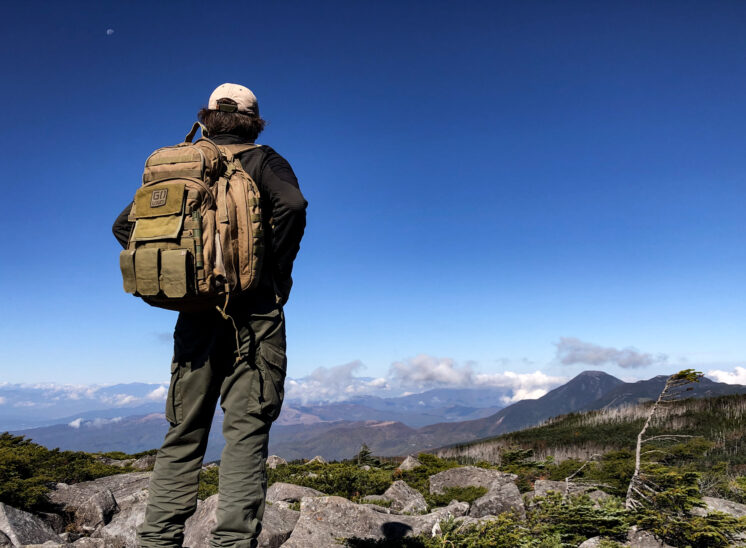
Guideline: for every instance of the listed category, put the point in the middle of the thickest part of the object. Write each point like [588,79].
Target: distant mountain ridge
[32,406]
[42,404]
[342,438]
[639,391]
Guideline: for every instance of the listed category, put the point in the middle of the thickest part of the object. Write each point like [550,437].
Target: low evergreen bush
[28,471]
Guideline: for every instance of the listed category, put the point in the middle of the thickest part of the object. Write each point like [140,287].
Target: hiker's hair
[248,126]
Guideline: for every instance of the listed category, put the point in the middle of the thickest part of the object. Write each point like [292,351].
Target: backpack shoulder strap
[238,149]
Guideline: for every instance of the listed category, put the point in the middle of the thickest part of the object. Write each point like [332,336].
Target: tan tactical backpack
[197,235]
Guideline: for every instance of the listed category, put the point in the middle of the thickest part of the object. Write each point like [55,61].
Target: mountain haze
[337,439]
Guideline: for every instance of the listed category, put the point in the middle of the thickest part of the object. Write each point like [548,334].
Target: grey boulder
[20,527]
[88,505]
[121,486]
[502,493]
[289,492]
[277,525]
[144,463]
[55,521]
[121,531]
[85,542]
[197,528]
[639,538]
[88,542]
[273,461]
[502,496]
[714,504]
[325,520]
[467,476]
[410,463]
[318,459]
[594,542]
[404,499]
[426,522]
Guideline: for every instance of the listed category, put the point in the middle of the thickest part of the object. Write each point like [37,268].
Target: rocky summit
[105,513]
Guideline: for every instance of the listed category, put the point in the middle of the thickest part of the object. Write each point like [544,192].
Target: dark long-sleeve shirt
[282,203]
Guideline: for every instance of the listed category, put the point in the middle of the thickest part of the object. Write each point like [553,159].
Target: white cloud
[65,391]
[523,394]
[24,404]
[737,376]
[333,384]
[519,381]
[412,376]
[2,400]
[95,423]
[380,382]
[101,422]
[159,394]
[118,400]
[424,372]
[571,351]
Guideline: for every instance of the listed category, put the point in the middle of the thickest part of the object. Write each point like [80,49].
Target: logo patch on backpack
[158,198]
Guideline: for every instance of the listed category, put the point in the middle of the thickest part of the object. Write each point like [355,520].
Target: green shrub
[419,478]
[116,455]
[28,470]
[340,479]
[462,494]
[712,531]
[575,518]
[208,482]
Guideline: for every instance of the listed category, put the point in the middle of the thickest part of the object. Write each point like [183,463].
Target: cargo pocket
[272,365]
[146,271]
[127,266]
[174,408]
[177,271]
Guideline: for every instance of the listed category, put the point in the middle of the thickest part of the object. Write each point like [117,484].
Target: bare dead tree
[586,463]
[641,490]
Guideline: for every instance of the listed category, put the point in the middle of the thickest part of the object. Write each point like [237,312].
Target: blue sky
[498,186]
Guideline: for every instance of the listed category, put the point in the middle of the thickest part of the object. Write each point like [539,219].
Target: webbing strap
[238,149]
[193,132]
[227,316]
[222,200]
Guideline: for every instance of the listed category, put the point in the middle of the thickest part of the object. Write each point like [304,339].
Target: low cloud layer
[424,372]
[159,394]
[95,423]
[80,397]
[414,375]
[334,384]
[572,351]
[737,376]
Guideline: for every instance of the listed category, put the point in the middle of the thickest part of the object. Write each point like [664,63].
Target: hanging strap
[227,316]
[193,132]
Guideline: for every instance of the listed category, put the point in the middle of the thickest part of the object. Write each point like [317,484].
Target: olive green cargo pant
[205,370]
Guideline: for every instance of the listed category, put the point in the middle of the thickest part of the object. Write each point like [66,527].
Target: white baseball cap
[244,98]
